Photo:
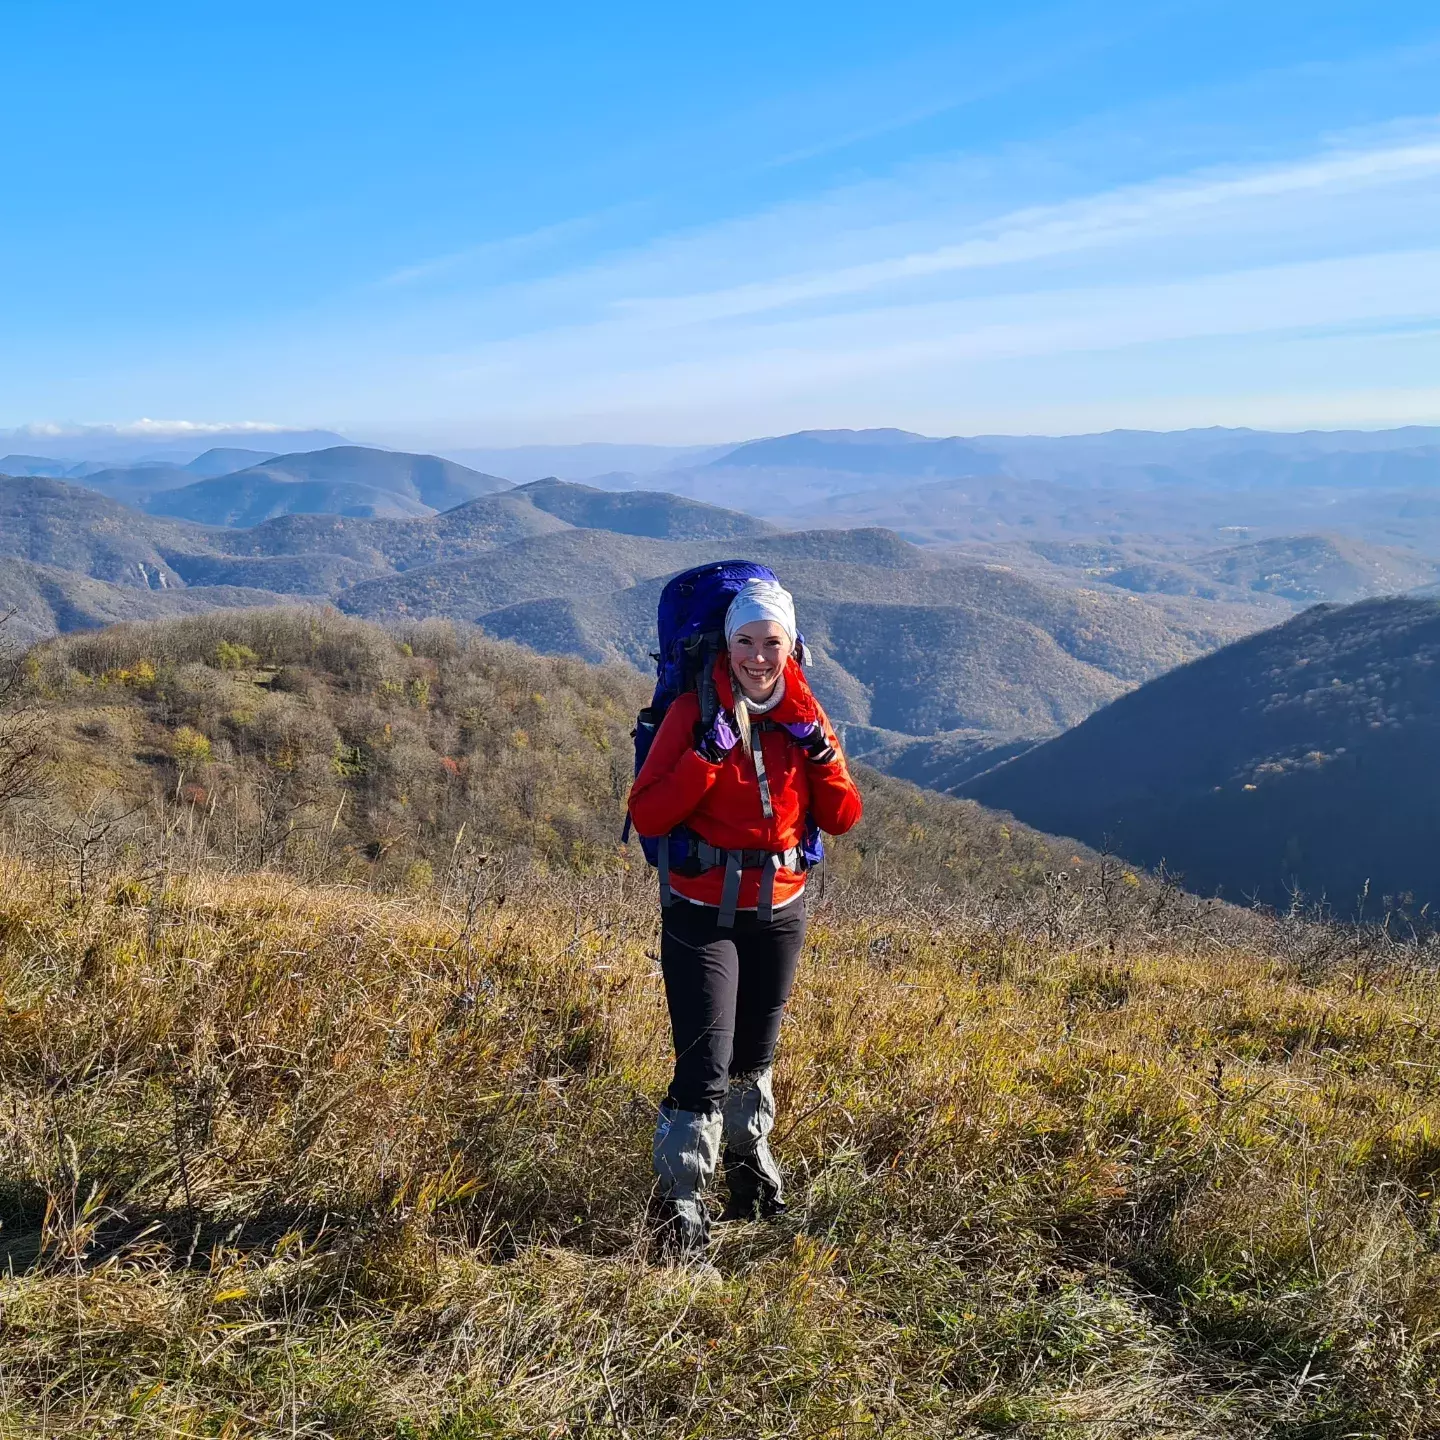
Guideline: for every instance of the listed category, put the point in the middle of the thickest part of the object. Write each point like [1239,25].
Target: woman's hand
[715,741]
[809,735]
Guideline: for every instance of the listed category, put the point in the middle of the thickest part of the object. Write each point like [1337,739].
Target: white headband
[761,600]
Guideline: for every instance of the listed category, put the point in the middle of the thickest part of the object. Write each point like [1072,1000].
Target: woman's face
[758,652]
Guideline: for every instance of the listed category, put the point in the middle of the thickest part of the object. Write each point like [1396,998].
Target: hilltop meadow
[331,1036]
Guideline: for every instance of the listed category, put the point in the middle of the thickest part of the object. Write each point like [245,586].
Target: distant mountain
[225,460]
[1304,569]
[1236,452]
[436,483]
[1185,513]
[37,465]
[252,497]
[43,600]
[113,446]
[481,527]
[669,517]
[475,528]
[887,453]
[133,484]
[1194,486]
[60,525]
[343,480]
[585,462]
[1303,756]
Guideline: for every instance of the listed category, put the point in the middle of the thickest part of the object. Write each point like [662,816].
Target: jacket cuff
[693,763]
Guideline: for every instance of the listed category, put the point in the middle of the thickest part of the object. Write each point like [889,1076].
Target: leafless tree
[22,754]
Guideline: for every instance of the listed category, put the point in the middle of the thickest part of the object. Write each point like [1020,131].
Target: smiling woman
[746,784]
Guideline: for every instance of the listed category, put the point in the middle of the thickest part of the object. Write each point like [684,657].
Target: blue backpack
[691,625]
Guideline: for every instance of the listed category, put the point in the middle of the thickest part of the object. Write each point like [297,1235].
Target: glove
[809,735]
[718,739]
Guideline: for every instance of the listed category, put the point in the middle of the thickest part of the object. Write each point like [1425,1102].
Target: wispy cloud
[491,259]
[921,292]
[1143,212]
[144,429]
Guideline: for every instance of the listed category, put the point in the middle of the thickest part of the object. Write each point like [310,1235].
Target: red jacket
[721,803]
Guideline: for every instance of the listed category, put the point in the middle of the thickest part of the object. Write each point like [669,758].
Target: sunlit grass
[278,1160]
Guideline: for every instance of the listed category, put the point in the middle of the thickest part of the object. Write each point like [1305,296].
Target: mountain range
[343,480]
[1193,489]
[1153,687]
[904,638]
[243,487]
[110,446]
[908,641]
[1192,486]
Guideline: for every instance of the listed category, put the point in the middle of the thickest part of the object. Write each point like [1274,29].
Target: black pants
[726,990]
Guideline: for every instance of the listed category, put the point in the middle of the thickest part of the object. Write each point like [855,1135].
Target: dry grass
[279,1161]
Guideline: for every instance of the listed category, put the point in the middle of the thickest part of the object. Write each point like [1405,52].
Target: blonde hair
[742,718]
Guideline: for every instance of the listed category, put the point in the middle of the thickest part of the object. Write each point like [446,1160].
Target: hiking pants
[726,990]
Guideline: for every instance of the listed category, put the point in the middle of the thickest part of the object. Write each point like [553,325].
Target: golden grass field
[289,1160]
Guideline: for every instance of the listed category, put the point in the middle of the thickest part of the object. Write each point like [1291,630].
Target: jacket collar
[798,705]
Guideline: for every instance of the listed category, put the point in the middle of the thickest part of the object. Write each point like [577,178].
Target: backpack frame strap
[667,896]
[729,891]
[765,909]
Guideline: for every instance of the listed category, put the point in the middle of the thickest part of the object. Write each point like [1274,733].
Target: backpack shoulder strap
[705,683]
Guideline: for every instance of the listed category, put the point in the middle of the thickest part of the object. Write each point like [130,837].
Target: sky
[438,225]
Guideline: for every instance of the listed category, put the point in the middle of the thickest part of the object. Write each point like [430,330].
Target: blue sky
[479,224]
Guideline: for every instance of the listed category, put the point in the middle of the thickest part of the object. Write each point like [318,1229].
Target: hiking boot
[751,1174]
[755,1191]
[687,1145]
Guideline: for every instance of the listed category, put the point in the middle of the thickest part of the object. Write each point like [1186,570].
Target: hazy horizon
[131,445]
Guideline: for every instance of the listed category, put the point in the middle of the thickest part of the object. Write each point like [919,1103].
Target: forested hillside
[344,751]
[1303,758]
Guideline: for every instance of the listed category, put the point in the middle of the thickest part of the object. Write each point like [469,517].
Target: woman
[734,921]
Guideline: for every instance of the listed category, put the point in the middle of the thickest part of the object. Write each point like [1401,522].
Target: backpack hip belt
[712,857]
